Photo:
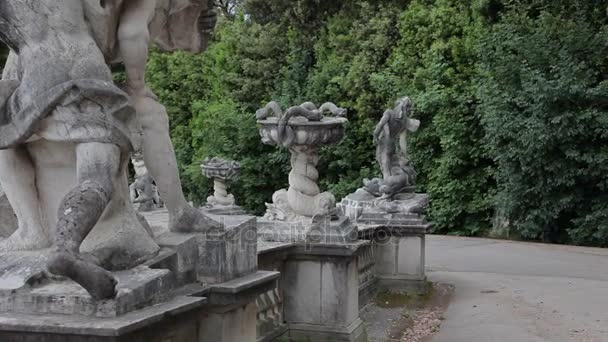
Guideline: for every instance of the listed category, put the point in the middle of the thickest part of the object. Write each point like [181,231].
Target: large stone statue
[390,138]
[123,31]
[66,131]
[64,146]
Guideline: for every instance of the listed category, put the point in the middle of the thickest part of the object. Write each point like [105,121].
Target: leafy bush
[544,104]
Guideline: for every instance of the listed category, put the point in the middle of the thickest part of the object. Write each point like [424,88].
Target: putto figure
[390,138]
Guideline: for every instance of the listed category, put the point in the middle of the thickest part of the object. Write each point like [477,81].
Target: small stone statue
[390,138]
[220,170]
[143,190]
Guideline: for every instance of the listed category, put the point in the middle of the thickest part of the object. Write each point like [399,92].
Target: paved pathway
[520,292]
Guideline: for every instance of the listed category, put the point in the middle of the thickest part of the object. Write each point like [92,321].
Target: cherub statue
[390,138]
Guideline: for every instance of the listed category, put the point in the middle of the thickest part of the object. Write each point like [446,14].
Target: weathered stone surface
[340,230]
[303,129]
[26,287]
[366,209]
[400,261]
[321,287]
[159,323]
[390,138]
[8,219]
[230,253]
[66,125]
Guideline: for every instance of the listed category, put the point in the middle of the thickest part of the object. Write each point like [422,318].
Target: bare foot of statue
[95,279]
[25,240]
[191,220]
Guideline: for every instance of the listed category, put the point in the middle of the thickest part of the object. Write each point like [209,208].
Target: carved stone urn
[303,130]
[221,170]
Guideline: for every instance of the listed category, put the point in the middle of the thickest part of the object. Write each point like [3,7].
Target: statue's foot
[191,220]
[97,281]
[25,240]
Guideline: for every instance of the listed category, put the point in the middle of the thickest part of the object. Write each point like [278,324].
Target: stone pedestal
[232,314]
[400,261]
[397,229]
[322,293]
[229,254]
[340,230]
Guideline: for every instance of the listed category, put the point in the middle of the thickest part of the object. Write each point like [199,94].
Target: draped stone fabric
[75,111]
[176,25]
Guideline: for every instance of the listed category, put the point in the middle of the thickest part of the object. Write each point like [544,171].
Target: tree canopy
[512,95]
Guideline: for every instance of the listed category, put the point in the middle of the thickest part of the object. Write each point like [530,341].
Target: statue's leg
[383,155]
[18,178]
[97,165]
[158,151]
[161,161]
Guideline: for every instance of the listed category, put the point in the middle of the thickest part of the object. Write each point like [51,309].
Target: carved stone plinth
[228,254]
[322,293]
[407,209]
[340,230]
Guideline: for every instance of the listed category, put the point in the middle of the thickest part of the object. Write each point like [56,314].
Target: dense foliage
[512,96]
[544,99]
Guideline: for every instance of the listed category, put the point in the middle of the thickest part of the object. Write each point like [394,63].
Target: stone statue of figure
[64,146]
[124,31]
[143,190]
[390,138]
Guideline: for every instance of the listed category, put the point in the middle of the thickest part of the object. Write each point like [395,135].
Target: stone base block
[321,289]
[235,325]
[186,250]
[229,254]
[305,230]
[173,321]
[400,260]
[365,209]
[26,287]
